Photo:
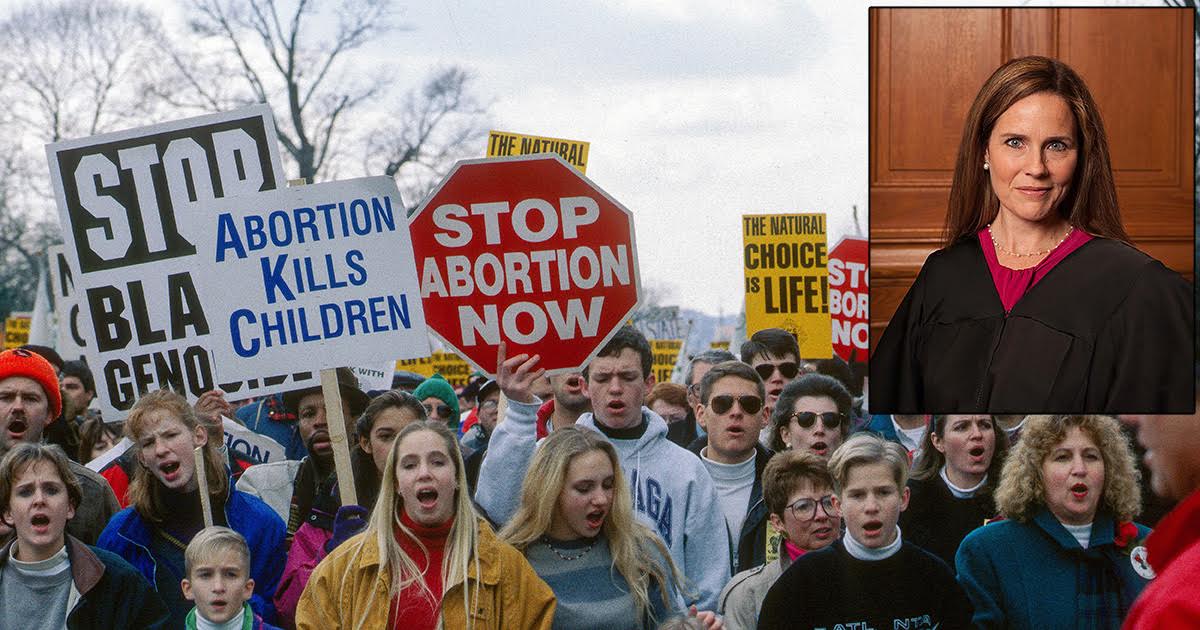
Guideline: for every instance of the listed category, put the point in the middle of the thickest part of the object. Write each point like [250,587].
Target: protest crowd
[759,493]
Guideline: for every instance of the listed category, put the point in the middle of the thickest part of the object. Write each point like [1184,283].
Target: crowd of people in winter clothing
[758,493]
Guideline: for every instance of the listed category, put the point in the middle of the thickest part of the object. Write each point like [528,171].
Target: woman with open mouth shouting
[952,482]
[1069,552]
[812,414]
[165,511]
[575,525]
[427,559]
[49,579]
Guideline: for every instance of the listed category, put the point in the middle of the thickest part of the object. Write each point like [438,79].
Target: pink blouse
[1011,284]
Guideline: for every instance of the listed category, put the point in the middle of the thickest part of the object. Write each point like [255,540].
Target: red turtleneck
[410,608]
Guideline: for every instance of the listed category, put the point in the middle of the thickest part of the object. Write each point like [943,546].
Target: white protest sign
[109,456]
[130,204]
[70,338]
[326,278]
[374,378]
[256,445]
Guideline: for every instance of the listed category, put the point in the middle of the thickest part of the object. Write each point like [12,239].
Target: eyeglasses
[788,369]
[441,411]
[806,509]
[724,402]
[831,419]
[490,403]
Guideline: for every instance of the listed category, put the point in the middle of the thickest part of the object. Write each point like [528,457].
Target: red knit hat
[22,362]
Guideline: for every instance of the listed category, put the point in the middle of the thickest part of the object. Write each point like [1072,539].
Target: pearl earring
[985,166]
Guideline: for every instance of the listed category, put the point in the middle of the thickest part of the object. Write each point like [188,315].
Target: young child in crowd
[217,563]
[871,578]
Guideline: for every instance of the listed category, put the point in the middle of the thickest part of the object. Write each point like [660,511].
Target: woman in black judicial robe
[1014,315]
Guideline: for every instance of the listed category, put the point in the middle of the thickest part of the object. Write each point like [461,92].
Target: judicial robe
[1107,330]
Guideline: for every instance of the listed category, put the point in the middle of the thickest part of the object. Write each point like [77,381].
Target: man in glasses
[775,355]
[672,492]
[798,491]
[731,411]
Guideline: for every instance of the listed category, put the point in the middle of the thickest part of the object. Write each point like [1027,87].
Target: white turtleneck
[734,484]
[961,493]
[232,624]
[1082,533]
[862,552]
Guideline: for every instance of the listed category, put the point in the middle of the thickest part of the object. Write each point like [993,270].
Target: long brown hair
[1090,203]
[145,491]
[930,462]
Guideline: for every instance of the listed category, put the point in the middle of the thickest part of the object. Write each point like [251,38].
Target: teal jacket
[1035,574]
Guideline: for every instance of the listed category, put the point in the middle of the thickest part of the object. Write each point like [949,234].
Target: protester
[96,438]
[952,482]
[475,442]
[48,578]
[798,492]
[29,399]
[217,563]
[487,410]
[1065,556]
[813,413]
[79,388]
[575,525]
[569,402]
[329,523]
[289,486]
[673,493]
[165,505]
[1172,600]
[775,355]
[670,402]
[872,576]
[732,414]
[425,558]
[440,401]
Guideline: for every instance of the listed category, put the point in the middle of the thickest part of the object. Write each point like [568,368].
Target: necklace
[1016,255]
[562,556]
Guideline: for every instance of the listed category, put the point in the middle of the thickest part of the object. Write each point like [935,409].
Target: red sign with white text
[529,251]
[848,299]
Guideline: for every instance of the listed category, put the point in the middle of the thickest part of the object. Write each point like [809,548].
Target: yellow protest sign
[504,143]
[787,286]
[665,353]
[16,331]
[452,367]
[720,345]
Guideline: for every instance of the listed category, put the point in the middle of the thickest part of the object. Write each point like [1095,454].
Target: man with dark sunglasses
[439,400]
[775,355]
[731,411]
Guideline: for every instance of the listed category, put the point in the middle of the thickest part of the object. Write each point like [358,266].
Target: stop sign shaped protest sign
[528,251]
[848,299]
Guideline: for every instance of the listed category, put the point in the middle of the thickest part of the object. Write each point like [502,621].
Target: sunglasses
[441,411]
[788,369]
[831,419]
[724,402]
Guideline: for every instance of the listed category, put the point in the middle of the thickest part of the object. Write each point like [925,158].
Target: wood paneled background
[928,64]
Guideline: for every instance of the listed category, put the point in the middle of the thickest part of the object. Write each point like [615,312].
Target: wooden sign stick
[337,436]
[202,483]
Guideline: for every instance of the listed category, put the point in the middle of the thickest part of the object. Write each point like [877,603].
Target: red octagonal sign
[529,251]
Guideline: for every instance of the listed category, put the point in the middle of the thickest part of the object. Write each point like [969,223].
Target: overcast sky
[697,112]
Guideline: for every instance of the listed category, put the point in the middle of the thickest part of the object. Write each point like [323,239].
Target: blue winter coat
[1028,575]
[128,535]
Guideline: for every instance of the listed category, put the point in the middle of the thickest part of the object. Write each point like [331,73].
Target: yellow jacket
[342,587]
